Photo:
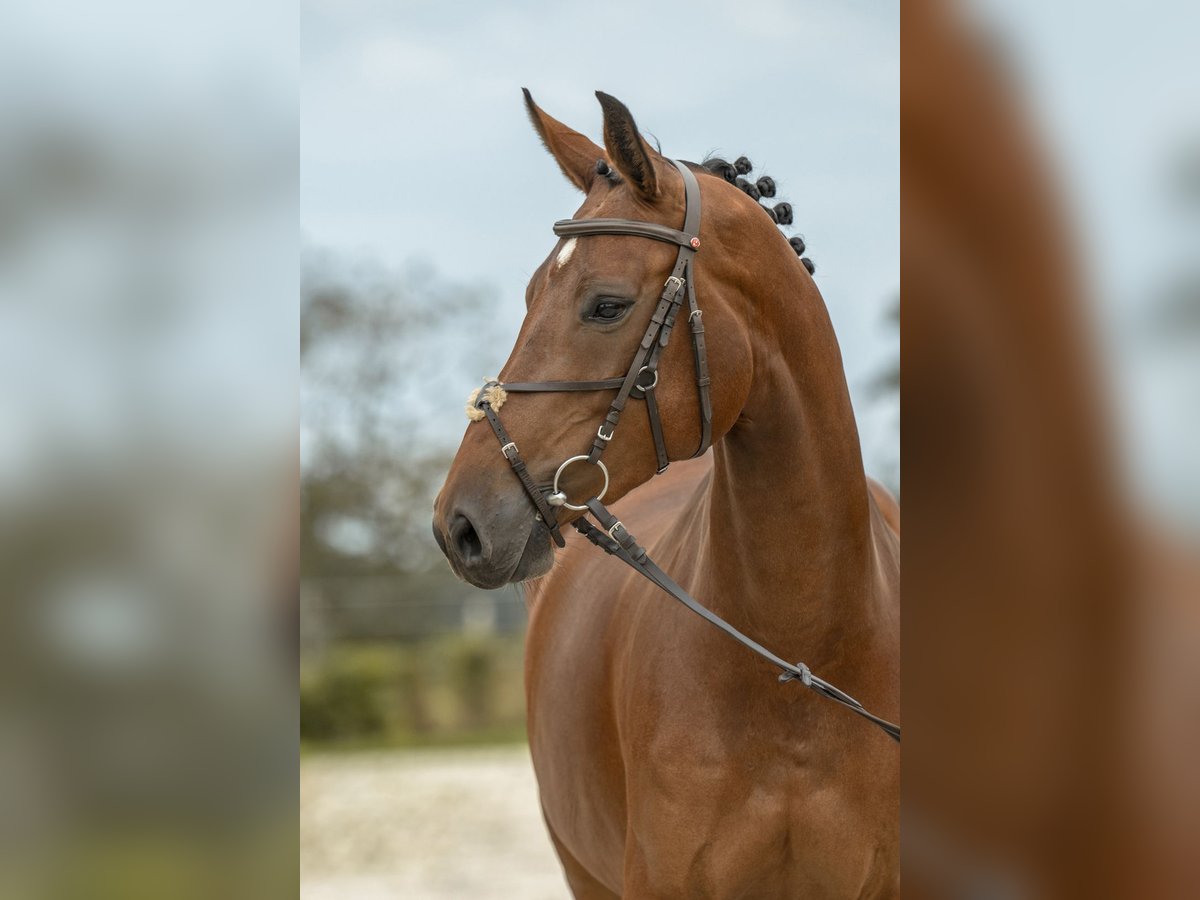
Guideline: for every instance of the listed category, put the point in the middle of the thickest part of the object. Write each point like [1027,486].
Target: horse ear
[626,149]
[574,153]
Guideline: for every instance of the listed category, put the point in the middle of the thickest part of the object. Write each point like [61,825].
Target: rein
[639,382]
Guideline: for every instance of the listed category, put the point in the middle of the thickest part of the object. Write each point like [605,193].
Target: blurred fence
[402,607]
[409,659]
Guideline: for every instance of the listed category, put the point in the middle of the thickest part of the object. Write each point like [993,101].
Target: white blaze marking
[565,253]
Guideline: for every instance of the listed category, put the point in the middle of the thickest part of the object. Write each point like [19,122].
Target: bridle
[641,379]
[640,382]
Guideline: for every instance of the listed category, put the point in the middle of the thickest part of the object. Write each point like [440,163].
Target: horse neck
[790,522]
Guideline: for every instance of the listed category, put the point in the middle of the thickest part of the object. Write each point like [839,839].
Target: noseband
[639,382]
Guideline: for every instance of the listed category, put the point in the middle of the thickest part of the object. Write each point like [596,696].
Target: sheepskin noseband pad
[492,393]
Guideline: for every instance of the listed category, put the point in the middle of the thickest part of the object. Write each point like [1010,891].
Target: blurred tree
[378,365]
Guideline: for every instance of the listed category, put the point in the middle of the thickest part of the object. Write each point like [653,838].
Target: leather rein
[639,382]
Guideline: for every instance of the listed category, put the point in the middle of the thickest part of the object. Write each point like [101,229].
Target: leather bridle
[640,382]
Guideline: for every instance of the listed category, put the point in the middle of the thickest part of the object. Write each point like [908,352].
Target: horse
[669,761]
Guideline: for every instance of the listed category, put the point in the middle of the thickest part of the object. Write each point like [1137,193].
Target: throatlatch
[639,382]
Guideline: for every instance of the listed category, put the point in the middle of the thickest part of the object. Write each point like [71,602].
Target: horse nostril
[466,539]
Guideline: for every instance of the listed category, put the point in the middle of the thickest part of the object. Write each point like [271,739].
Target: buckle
[615,526]
[504,450]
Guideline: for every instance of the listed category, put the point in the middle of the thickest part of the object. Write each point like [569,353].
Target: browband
[626,227]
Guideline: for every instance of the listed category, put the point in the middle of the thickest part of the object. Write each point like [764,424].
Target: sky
[415,145]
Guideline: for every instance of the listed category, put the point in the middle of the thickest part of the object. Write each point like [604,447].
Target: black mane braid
[736,173]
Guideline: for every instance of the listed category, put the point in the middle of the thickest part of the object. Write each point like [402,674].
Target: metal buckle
[504,450]
[558,475]
[695,313]
[646,387]
[605,437]
[615,525]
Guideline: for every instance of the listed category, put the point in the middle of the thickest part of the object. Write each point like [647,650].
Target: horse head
[590,305]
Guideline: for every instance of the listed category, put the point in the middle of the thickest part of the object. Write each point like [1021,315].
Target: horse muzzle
[493,546]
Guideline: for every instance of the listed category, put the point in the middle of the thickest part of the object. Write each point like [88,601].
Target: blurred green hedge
[452,689]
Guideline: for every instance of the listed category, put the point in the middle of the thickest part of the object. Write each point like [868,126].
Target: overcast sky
[415,144]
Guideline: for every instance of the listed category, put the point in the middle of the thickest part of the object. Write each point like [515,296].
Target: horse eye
[607,311]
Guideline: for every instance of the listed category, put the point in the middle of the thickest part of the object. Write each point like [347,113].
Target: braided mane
[735,173]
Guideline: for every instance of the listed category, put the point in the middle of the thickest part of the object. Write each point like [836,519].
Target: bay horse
[669,762]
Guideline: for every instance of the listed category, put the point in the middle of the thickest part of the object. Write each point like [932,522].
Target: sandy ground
[424,825]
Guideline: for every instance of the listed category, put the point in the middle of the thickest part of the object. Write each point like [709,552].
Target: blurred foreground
[1052,494]
[148,324]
